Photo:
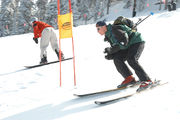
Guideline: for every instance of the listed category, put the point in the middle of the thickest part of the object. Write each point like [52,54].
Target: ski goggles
[98,28]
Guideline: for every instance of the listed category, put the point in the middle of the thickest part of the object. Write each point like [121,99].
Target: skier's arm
[35,29]
[120,35]
[36,35]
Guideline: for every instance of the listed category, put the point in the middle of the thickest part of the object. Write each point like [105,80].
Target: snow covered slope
[35,94]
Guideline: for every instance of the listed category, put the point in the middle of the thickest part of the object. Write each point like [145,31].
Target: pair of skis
[105,101]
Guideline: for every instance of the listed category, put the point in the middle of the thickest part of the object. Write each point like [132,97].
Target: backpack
[122,21]
[125,21]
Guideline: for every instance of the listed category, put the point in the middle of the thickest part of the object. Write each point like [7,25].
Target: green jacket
[122,35]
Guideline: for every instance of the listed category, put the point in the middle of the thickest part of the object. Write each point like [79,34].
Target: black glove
[107,50]
[35,40]
[112,50]
[109,56]
[106,39]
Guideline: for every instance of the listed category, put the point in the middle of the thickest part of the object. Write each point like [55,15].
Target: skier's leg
[132,58]
[119,61]
[54,43]
[122,68]
[44,42]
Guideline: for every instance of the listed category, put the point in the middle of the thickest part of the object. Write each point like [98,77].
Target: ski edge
[33,66]
[105,91]
[111,100]
[99,92]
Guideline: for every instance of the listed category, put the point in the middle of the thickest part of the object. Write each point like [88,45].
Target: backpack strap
[120,35]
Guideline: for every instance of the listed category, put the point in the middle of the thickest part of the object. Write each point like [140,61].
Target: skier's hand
[109,57]
[106,39]
[112,50]
[35,40]
[107,50]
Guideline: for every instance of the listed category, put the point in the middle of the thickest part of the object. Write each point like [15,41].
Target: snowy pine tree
[64,6]
[51,13]
[15,8]
[140,5]
[24,16]
[128,4]
[6,17]
[86,11]
[101,6]
[41,4]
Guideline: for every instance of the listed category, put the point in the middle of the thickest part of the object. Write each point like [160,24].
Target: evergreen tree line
[16,15]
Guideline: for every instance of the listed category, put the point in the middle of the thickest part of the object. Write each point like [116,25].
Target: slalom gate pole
[58,5]
[74,62]
[70,10]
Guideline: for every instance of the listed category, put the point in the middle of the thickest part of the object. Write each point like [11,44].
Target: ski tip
[28,67]
[75,95]
[78,95]
[67,58]
[97,103]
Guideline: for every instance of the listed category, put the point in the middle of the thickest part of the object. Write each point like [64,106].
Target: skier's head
[101,27]
[100,23]
[34,19]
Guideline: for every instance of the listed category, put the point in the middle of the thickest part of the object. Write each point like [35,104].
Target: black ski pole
[141,20]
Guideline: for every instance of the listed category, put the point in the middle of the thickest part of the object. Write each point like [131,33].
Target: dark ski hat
[100,23]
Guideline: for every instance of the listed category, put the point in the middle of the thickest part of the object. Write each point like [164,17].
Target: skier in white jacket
[48,35]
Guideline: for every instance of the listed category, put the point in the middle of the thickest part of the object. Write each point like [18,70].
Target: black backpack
[122,21]
[125,21]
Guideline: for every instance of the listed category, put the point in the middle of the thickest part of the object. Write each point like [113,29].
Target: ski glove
[109,56]
[106,39]
[107,50]
[35,40]
[112,50]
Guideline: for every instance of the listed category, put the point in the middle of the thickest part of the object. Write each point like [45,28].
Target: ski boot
[62,55]
[130,80]
[43,60]
[144,85]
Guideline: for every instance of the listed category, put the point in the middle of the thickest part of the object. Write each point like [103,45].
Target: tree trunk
[166,4]
[108,5]
[160,4]
[134,9]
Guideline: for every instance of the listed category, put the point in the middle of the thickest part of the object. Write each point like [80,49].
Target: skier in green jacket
[126,45]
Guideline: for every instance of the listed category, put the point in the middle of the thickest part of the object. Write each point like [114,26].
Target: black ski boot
[43,60]
[62,55]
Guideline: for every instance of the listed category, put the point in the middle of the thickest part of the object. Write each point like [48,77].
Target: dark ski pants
[131,55]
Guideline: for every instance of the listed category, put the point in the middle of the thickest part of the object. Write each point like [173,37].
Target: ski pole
[141,20]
